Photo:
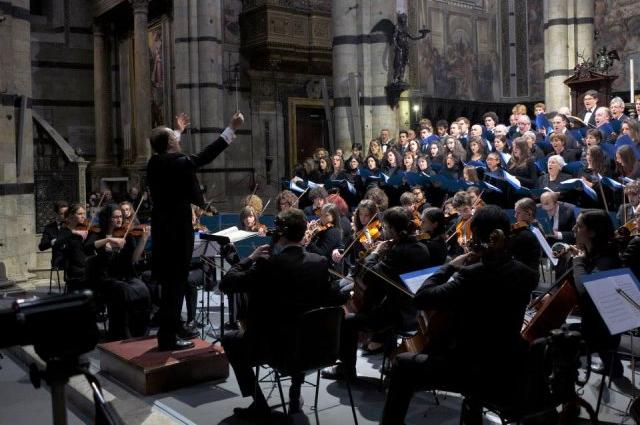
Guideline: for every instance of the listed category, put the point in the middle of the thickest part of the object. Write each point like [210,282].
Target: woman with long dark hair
[626,163]
[596,251]
[522,164]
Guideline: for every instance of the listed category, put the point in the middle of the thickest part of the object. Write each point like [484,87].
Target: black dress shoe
[188,331]
[175,345]
[337,372]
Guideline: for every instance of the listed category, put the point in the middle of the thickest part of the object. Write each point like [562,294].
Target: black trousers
[173,287]
[245,351]
[413,372]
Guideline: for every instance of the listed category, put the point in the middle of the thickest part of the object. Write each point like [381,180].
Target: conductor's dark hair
[159,139]
[436,216]
[486,220]
[291,224]
[58,205]
[398,219]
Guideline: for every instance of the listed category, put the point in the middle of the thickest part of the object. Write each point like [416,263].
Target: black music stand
[209,275]
[222,241]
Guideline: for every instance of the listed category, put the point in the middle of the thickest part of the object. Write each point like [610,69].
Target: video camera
[58,327]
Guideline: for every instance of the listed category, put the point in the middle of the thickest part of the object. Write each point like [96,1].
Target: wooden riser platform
[138,363]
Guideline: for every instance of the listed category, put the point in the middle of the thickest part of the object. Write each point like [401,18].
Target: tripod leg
[59,403]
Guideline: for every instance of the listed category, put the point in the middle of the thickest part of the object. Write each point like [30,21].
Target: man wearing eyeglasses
[588,115]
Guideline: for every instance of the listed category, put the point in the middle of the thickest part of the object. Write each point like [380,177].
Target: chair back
[315,343]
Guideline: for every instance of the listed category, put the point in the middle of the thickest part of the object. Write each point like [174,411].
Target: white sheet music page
[544,245]
[235,235]
[608,290]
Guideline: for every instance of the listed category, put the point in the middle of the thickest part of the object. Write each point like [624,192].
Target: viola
[314,228]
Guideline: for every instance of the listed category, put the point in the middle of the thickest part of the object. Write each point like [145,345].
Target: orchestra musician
[127,298]
[594,252]
[523,244]
[283,282]
[172,180]
[478,289]
[463,204]
[50,234]
[249,221]
[383,307]
[318,197]
[324,235]
[433,235]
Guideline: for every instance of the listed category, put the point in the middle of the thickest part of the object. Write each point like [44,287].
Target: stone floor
[213,402]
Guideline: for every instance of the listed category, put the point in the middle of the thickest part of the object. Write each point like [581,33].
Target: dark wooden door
[311,132]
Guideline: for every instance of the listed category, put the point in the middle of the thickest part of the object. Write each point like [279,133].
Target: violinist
[487,304]
[74,243]
[318,197]
[383,307]
[275,308]
[463,204]
[433,235]
[325,235]
[367,231]
[631,209]
[420,199]
[249,221]
[408,202]
[51,232]
[127,297]
[630,252]
[523,243]
[127,209]
[285,200]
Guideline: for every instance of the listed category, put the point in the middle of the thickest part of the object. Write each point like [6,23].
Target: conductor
[173,184]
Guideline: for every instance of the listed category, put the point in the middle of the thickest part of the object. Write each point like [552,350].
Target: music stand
[221,241]
[209,249]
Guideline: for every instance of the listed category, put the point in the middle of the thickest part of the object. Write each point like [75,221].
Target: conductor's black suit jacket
[174,187]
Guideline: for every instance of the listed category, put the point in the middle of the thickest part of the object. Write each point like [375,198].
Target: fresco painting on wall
[536,48]
[232,9]
[617,23]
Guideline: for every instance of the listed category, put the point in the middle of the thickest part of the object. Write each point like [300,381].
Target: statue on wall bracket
[398,36]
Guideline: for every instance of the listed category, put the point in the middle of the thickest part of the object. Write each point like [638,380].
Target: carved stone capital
[140,6]
[99,29]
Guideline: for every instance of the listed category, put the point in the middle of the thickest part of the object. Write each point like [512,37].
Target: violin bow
[390,281]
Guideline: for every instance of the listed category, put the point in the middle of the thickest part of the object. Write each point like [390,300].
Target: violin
[134,231]
[424,236]
[371,232]
[314,228]
[86,226]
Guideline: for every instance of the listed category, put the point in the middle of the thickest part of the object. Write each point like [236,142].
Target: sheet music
[235,235]
[544,245]
[414,280]
[618,313]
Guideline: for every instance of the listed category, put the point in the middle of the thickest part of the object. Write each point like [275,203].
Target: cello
[551,308]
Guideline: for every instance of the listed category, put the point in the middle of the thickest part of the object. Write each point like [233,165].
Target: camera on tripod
[563,350]
[60,328]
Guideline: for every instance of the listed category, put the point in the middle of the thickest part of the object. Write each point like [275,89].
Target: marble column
[345,61]
[556,67]
[584,27]
[142,83]
[380,66]
[102,100]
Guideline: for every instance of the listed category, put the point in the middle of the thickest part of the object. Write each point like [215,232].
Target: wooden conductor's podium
[589,80]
